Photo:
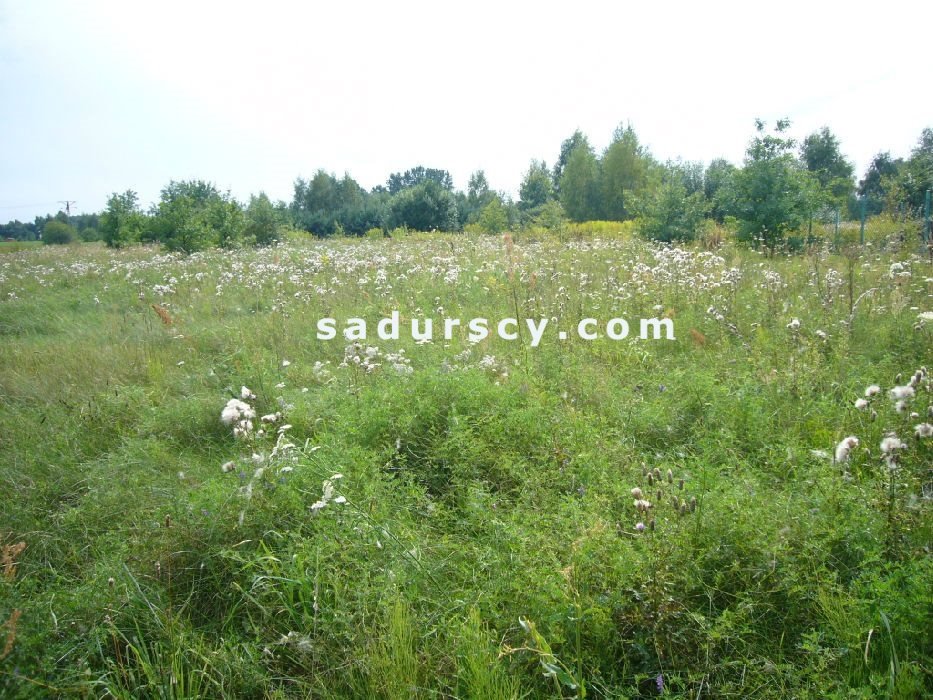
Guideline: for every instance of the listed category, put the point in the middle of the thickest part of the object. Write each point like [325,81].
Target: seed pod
[693,503]
[637,493]
[670,476]
[680,484]
[657,473]
[660,495]
[683,508]
[650,479]
[651,524]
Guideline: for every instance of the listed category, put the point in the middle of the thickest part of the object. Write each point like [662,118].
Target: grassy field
[450,519]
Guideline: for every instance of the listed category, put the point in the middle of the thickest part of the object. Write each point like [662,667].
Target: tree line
[780,187]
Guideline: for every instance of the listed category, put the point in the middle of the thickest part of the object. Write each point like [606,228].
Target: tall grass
[488,544]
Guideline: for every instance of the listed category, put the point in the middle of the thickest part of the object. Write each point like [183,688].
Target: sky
[103,96]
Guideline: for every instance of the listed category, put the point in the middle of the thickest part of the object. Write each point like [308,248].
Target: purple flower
[660,683]
[640,527]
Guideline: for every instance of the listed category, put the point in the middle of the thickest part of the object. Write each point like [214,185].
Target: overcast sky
[97,97]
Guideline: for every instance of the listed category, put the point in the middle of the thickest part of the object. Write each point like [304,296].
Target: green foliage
[122,222]
[536,189]
[262,222]
[194,215]
[774,193]
[568,146]
[58,233]
[625,174]
[418,175]
[823,158]
[719,188]
[670,212]
[550,216]
[426,206]
[580,183]
[478,197]
[494,217]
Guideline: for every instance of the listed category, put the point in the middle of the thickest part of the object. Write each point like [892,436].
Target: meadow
[202,499]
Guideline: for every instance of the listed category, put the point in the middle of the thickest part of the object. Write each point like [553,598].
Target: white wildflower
[873,390]
[923,430]
[892,443]
[236,411]
[246,394]
[845,447]
[861,404]
[901,392]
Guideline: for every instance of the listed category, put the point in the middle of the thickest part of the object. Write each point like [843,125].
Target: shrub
[58,233]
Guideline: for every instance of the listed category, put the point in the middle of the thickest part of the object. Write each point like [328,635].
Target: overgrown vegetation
[604,519]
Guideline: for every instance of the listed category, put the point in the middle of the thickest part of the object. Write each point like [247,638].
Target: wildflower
[642,505]
[236,411]
[271,417]
[794,324]
[861,404]
[637,493]
[845,447]
[901,407]
[892,443]
[821,335]
[640,527]
[285,363]
[328,494]
[873,390]
[924,430]
[901,392]
[670,476]
[246,394]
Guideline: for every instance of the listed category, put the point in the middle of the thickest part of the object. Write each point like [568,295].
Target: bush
[58,233]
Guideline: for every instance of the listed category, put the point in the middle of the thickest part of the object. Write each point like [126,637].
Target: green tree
[415,176]
[478,197]
[58,232]
[873,186]
[916,177]
[774,192]
[262,222]
[122,221]
[567,147]
[823,158]
[192,215]
[719,188]
[625,172]
[537,188]
[671,212]
[424,207]
[494,217]
[579,185]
